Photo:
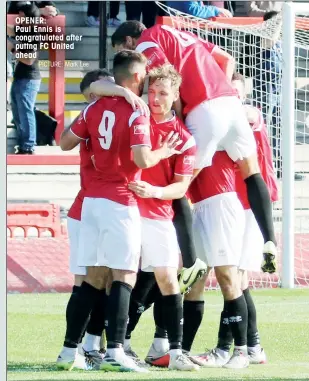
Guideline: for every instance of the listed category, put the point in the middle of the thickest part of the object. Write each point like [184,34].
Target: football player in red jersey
[205,92]
[250,258]
[158,186]
[218,226]
[95,325]
[110,234]
[252,243]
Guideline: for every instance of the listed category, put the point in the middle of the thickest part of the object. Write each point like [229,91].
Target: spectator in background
[46,8]
[260,8]
[9,78]
[148,10]
[25,86]
[94,10]
[198,9]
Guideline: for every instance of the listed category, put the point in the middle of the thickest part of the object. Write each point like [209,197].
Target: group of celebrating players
[134,240]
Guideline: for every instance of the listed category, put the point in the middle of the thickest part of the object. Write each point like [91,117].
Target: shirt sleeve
[184,164]
[139,130]
[79,127]
[155,56]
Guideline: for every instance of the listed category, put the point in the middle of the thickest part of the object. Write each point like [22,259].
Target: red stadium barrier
[43,160]
[42,265]
[43,217]
[56,85]
[38,265]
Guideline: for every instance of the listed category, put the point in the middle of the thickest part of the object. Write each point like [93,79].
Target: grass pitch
[36,326]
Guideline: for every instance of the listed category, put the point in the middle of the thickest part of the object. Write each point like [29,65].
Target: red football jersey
[113,129]
[163,173]
[214,180]
[264,154]
[202,78]
[87,172]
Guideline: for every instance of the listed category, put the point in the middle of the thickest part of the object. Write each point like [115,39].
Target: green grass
[36,329]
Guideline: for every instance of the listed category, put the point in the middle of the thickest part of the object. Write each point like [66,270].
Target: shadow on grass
[158,374]
[30,367]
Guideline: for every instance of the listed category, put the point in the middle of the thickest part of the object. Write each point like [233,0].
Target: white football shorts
[159,245]
[110,235]
[253,244]
[73,232]
[218,229]
[220,124]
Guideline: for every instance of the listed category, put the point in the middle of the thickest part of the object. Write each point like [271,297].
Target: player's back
[111,123]
[87,169]
[212,181]
[202,78]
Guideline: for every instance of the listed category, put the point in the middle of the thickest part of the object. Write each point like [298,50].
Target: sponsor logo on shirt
[152,59]
[141,129]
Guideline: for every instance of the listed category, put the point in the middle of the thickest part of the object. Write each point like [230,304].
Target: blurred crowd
[148,11]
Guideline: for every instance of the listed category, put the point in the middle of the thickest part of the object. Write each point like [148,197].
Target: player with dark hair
[204,95]
[110,220]
[95,325]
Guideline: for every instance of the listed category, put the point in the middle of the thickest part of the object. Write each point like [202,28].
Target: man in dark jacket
[47,8]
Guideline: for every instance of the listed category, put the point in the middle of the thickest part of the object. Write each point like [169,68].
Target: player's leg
[216,238]
[141,300]
[158,354]
[88,294]
[237,314]
[250,261]
[240,145]
[160,253]
[79,273]
[95,328]
[193,312]
[204,228]
[193,268]
[121,242]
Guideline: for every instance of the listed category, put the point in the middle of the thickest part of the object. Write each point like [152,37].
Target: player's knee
[197,291]
[228,280]
[243,279]
[78,280]
[124,276]
[248,166]
[96,277]
[166,278]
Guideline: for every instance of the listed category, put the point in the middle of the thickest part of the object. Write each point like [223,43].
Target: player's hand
[169,144]
[224,13]
[48,11]
[136,102]
[142,189]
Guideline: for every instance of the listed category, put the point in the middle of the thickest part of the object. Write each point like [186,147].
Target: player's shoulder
[181,128]
[88,109]
[136,116]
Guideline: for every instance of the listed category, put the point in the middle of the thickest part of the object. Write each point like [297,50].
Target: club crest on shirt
[189,160]
[141,129]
